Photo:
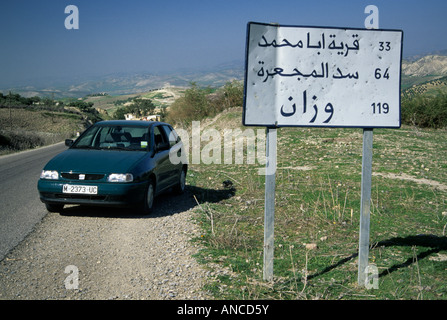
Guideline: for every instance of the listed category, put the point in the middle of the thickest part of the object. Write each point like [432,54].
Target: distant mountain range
[423,70]
[415,70]
[425,66]
[127,83]
[419,56]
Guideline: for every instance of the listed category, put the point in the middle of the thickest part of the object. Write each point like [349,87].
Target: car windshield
[114,137]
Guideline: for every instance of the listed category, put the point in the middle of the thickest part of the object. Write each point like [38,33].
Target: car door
[175,152]
[161,159]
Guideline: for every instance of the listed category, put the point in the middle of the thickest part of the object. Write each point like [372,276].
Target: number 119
[380,108]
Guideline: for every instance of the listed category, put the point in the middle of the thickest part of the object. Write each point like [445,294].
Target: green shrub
[23,141]
[192,106]
[199,103]
[430,112]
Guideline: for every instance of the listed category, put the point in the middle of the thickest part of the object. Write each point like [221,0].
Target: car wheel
[180,187]
[149,198]
[54,207]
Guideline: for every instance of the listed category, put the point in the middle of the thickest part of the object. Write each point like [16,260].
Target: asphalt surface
[20,206]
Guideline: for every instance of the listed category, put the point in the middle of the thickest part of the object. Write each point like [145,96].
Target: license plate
[68,188]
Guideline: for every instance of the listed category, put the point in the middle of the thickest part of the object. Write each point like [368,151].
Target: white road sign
[322,77]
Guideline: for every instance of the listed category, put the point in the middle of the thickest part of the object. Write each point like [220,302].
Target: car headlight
[49,175]
[120,177]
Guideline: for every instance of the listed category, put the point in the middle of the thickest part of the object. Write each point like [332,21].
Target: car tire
[148,203]
[51,207]
[180,187]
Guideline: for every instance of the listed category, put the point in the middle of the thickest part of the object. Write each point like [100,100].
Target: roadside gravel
[115,253]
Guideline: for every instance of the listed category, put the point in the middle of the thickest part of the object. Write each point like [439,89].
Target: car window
[171,134]
[159,137]
[86,139]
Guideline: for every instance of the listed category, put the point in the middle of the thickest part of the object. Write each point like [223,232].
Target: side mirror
[162,146]
[69,142]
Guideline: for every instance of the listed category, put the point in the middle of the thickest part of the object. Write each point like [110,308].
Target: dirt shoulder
[95,253]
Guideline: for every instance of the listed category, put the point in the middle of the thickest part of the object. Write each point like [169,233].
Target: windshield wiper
[115,148]
[85,147]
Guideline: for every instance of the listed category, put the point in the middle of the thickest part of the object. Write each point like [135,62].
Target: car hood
[95,161]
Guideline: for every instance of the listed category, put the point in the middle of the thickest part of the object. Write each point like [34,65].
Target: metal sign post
[269,208]
[365,205]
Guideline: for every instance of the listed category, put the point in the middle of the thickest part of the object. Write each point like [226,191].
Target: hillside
[161,98]
[27,123]
[22,129]
[429,88]
[423,70]
[428,65]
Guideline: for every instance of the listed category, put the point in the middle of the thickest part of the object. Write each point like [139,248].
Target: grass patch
[317,216]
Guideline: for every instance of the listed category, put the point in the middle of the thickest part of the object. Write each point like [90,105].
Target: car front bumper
[109,194]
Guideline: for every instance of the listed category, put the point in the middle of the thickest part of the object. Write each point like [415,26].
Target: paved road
[20,207]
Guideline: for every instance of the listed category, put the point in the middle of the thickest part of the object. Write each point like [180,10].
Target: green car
[115,163]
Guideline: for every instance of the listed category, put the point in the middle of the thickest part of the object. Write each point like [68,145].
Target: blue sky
[170,35]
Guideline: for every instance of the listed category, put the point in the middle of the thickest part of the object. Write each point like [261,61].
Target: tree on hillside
[16,100]
[82,105]
[139,108]
[87,109]
[143,107]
